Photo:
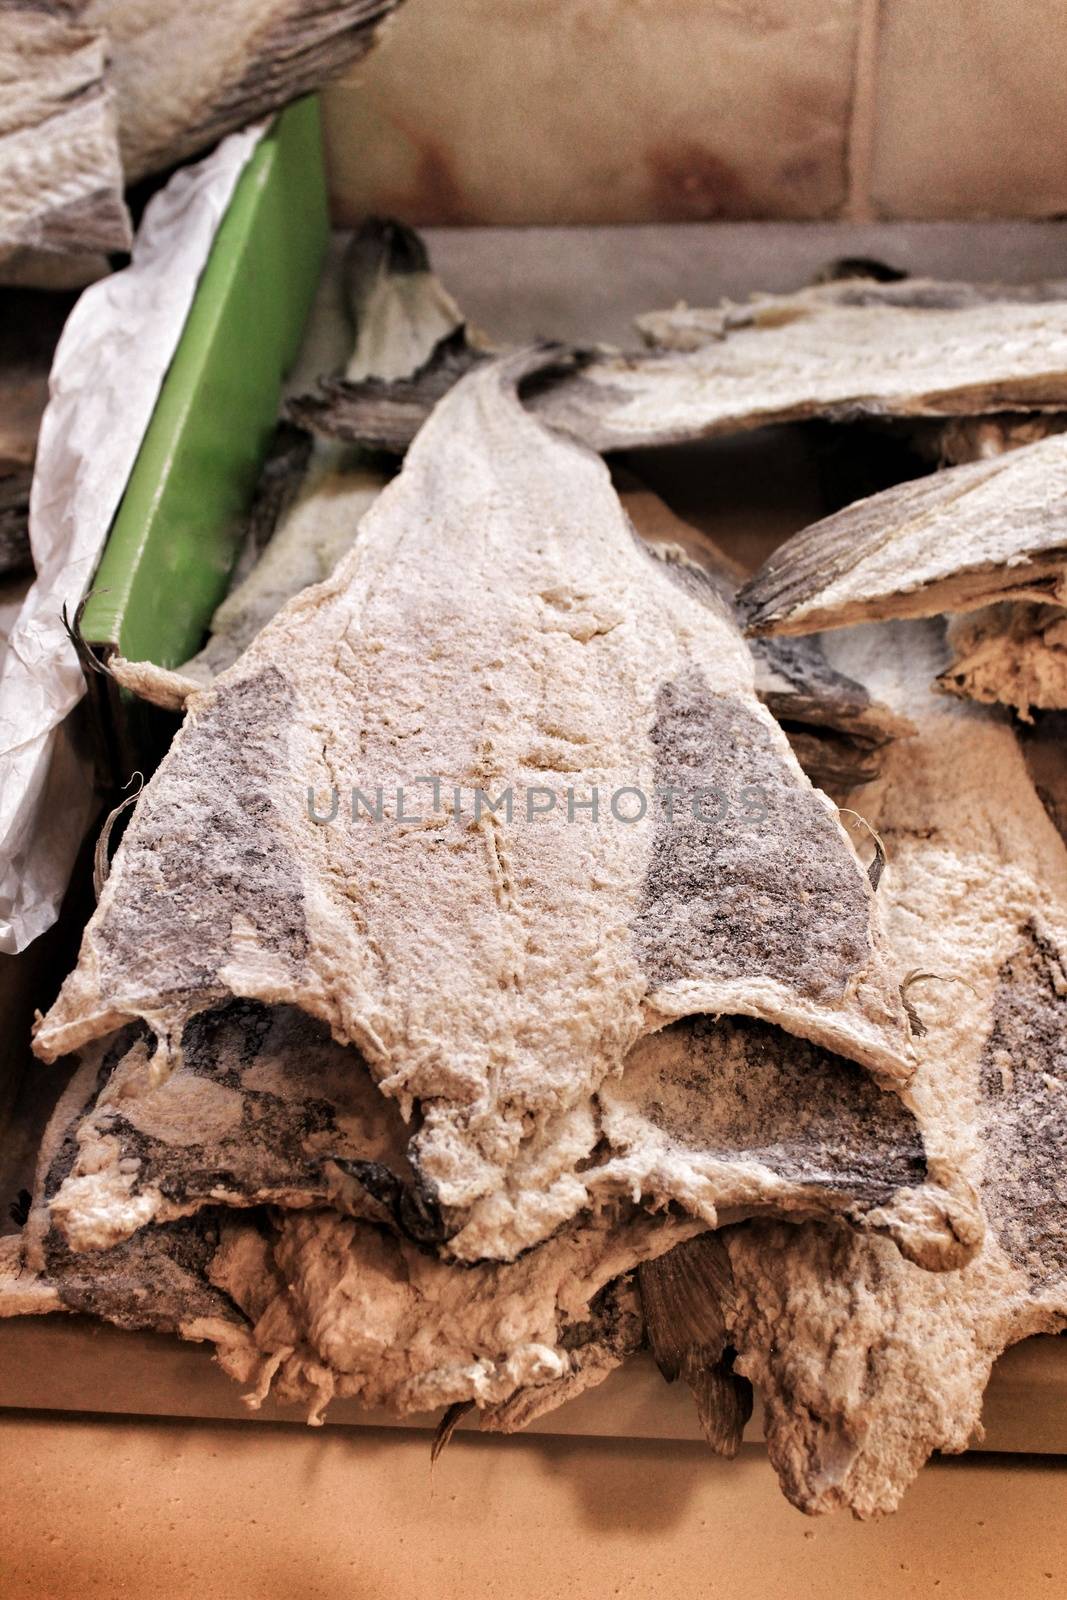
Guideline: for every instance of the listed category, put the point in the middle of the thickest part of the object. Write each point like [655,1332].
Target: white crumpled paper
[109,364]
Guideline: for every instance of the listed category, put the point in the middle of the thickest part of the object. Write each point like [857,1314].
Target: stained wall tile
[509,111]
[971,109]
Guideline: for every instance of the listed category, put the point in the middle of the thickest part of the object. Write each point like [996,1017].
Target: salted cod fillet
[834,727]
[690,327]
[154,1278]
[142,1176]
[186,75]
[496,626]
[988,531]
[864,1364]
[941,350]
[719,1118]
[332,1318]
[316,1303]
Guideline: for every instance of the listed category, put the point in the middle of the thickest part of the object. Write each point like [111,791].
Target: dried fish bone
[959,540]
[866,1365]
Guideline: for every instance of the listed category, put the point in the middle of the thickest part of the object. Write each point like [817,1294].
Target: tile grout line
[859,149]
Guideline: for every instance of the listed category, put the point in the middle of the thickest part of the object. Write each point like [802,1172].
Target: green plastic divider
[178,528]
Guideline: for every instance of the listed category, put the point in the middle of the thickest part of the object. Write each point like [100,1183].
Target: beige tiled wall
[599,111]
[541,111]
[971,108]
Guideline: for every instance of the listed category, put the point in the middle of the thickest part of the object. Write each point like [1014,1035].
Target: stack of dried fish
[99,94]
[483,988]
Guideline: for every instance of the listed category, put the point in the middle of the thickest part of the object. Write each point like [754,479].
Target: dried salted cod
[936,350]
[612,1330]
[717,1118]
[343,1309]
[928,349]
[733,1117]
[399,313]
[688,328]
[835,728]
[352,1311]
[319,528]
[153,1279]
[837,731]
[956,541]
[400,310]
[1011,655]
[136,1167]
[60,175]
[497,629]
[414,343]
[866,1365]
[312,1301]
[386,416]
[186,74]
[264,1108]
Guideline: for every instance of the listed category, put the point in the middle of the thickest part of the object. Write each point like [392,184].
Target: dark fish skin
[682,1296]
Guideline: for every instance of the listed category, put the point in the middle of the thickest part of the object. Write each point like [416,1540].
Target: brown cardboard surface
[64,1363]
[98,1509]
